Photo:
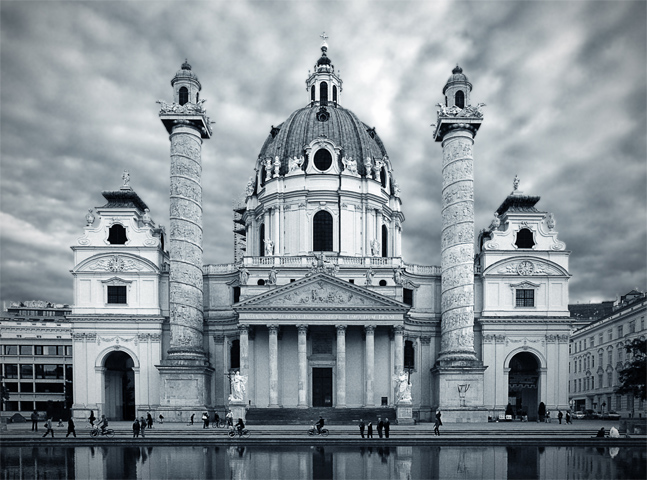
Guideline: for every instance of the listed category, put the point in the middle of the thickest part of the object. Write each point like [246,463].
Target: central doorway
[119,386]
[322,387]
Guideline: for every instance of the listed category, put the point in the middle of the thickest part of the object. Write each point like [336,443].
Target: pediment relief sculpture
[526,268]
[116,263]
[318,293]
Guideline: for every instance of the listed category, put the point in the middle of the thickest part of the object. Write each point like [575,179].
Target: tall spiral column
[185,372]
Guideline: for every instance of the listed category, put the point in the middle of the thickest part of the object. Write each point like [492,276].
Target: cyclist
[103,423]
[319,424]
[240,426]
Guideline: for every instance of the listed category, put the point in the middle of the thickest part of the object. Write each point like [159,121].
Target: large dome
[333,122]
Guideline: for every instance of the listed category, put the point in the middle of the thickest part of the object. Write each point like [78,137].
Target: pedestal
[459,391]
[238,410]
[184,390]
[404,412]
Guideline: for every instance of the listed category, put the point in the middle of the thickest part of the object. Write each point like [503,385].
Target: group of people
[139,426]
[383,428]
[206,419]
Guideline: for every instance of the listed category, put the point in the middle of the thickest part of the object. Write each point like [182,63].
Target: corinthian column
[274,365]
[303,366]
[341,365]
[370,365]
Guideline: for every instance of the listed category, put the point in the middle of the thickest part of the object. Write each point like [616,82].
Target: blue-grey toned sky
[564,83]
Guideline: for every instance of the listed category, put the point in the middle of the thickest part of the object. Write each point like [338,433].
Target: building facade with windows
[319,309]
[597,354]
[36,357]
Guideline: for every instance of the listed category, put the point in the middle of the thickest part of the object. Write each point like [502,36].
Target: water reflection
[313,463]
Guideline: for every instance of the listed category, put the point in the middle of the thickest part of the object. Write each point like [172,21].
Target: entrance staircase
[307,416]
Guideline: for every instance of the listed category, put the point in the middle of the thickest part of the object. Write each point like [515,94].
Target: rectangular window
[117,294]
[610,356]
[525,297]
[60,350]
[642,323]
[68,351]
[585,344]
[620,331]
[26,371]
[10,371]
[26,387]
[11,349]
[69,373]
[632,327]
[12,387]
[592,342]
[601,339]
[610,334]
[50,350]
[407,296]
[600,358]
[38,350]
[49,388]
[26,350]
[610,379]
[620,354]
[42,406]
[26,406]
[580,384]
[592,383]
[600,379]
[592,362]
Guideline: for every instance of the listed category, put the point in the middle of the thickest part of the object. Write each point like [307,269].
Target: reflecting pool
[316,462]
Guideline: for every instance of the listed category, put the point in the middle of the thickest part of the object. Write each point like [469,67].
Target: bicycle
[313,431]
[97,432]
[219,424]
[241,433]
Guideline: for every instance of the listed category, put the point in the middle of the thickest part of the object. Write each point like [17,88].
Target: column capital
[243,328]
[398,329]
[341,329]
[425,340]
[273,328]
[302,328]
[369,329]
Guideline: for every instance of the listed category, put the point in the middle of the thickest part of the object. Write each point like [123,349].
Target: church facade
[319,309]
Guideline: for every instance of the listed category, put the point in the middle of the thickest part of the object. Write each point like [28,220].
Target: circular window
[382,283]
[323,159]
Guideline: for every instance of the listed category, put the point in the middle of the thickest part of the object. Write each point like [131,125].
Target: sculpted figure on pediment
[317,294]
[89,218]
[116,263]
[243,275]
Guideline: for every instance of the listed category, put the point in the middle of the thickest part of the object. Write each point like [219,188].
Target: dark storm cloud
[565,84]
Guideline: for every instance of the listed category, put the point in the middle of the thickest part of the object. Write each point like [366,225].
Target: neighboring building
[320,310]
[36,358]
[597,354]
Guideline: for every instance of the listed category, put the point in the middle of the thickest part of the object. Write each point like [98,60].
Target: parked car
[611,415]
[579,415]
[591,414]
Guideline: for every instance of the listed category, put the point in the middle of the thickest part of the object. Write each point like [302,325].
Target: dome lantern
[186,86]
[457,89]
[324,85]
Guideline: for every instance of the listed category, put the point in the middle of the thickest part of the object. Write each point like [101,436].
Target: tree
[633,376]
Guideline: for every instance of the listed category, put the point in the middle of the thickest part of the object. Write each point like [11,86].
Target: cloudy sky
[564,83]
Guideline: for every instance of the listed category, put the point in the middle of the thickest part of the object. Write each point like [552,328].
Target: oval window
[323,159]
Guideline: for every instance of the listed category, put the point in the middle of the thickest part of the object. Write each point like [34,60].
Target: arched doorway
[523,384]
[119,386]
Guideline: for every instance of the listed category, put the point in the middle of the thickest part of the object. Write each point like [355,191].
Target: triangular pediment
[321,291]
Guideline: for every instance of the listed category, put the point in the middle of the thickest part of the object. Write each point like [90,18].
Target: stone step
[307,416]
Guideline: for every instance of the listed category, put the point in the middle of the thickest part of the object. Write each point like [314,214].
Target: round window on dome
[323,159]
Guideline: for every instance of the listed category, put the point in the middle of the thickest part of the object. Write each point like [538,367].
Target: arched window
[460,99]
[312,93]
[382,283]
[323,93]
[524,239]
[322,232]
[234,354]
[323,159]
[117,235]
[383,177]
[385,241]
[334,93]
[184,95]
[261,240]
[409,355]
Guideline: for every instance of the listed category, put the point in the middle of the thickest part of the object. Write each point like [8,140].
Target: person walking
[48,426]
[142,426]
[92,418]
[380,426]
[71,428]
[191,421]
[560,415]
[34,421]
[370,430]
[387,428]
[161,418]
[205,420]
[361,427]
[230,419]
[136,428]
[568,418]
[437,424]
[149,420]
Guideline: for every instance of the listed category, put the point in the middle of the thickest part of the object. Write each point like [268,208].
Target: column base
[185,388]
[404,412]
[238,410]
[459,392]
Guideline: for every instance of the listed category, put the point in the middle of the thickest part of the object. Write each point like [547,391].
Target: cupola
[324,85]
[186,86]
[457,89]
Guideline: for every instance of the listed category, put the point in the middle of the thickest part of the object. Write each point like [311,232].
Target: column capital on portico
[302,328]
[273,328]
[341,329]
[369,329]
[243,328]
[398,329]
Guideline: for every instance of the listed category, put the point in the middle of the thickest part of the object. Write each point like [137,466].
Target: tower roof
[123,199]
[457,76]
[185,73]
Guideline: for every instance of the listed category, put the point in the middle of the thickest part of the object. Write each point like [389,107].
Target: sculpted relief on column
[459,147]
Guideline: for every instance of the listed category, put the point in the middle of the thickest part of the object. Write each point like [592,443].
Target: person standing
[559,417]
[92,418]
[34,421]
[48,426]
[136,428]
[230,419]
[568,418]
[387,428]
[149,420]
[70,428]
[142,426]
[361,427]
[161,418]
[380,426]
[437,424]
[370,430]
[205,420]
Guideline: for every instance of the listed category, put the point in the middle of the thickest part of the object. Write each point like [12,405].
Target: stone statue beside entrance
[238,387]
[403,388]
